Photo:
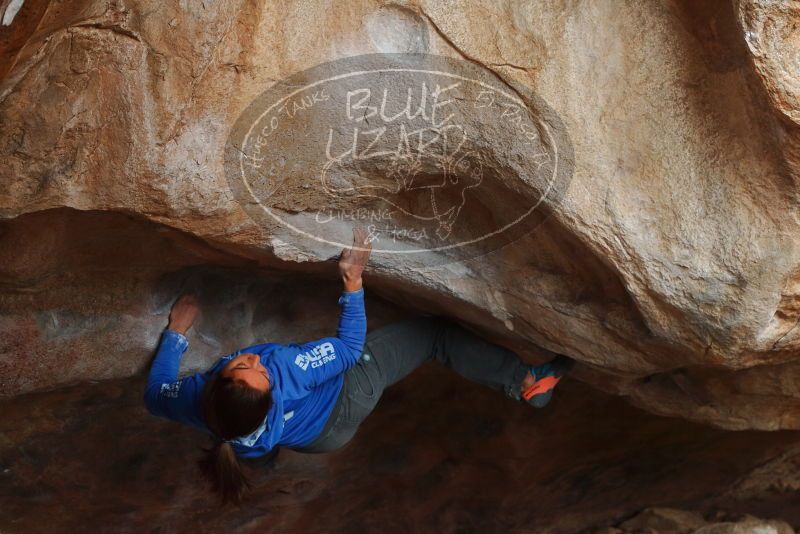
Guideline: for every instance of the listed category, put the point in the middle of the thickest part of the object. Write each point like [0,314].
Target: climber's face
[248,369]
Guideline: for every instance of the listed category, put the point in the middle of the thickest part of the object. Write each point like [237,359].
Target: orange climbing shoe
[546,376]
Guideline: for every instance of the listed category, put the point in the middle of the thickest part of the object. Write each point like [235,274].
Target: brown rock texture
[669,268]
[89,457]
[672,521]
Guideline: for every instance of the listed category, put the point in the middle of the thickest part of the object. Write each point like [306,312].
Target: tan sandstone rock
[669,265]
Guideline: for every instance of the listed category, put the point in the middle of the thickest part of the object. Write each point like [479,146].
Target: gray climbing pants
[394,351]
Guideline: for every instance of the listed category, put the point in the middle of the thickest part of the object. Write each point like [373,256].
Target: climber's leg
[392,352]
[364,383]
[401,347]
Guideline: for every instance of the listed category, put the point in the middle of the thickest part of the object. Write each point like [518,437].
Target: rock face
[671,521]
[478,462]
[668,265]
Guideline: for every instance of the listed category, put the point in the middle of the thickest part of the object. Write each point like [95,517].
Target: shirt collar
[251,439]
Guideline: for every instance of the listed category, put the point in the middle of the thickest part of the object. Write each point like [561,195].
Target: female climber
[312,397]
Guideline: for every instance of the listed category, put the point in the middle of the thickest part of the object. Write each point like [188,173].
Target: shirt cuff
[347,296]
[177,338]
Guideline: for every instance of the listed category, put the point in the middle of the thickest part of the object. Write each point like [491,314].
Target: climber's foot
[538,385]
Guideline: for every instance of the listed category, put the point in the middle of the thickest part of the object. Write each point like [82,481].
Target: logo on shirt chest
[316,357]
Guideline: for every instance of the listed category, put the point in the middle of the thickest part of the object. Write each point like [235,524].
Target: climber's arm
[353,320]
[164,394]
[322,359]
[325,358]
[349,341]
[352,328]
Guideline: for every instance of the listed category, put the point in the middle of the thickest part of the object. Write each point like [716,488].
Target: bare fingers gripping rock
[353,260]
[183,313]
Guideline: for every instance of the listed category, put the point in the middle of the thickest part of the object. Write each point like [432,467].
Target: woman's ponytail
[231,409]
[222,469]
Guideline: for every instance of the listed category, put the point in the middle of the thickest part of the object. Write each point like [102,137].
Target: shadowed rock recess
[664,256]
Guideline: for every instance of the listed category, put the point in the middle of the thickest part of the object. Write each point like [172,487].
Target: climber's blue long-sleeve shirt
[306,380]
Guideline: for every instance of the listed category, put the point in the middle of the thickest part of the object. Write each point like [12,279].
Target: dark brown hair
[231,409]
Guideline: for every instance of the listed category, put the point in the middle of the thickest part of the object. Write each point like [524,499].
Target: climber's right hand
[353,260]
